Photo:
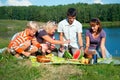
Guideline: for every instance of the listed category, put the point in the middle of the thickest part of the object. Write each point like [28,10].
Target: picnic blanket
[59,60]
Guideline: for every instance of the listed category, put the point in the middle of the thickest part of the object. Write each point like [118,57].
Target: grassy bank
[105,24]
[8,28]
[14,69]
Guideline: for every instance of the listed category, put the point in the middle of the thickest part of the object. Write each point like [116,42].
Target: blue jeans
[99,54]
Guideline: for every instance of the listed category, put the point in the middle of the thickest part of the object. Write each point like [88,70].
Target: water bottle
[94,57]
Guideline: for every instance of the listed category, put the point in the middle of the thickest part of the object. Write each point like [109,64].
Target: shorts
[13,52]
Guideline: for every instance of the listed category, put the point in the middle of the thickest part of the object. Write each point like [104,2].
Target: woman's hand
[52,46]
[61,49]
[86,50]
[67,42]
[44,48]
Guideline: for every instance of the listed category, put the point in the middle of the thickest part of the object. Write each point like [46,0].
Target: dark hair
[71,12]
[96,21]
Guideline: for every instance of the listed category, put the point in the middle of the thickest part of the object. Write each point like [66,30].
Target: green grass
[4,42]
[15,69]
[105,24]
[10,27]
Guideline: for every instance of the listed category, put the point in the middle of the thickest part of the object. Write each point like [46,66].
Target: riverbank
[105,24]
[85,25]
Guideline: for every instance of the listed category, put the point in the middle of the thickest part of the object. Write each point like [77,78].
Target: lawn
[22,69]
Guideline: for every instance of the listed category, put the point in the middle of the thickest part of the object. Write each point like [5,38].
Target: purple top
[95,42]
[40,34]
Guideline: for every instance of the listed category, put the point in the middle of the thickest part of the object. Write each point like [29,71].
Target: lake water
[112,40]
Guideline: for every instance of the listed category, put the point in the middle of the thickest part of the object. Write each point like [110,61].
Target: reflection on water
[112,40]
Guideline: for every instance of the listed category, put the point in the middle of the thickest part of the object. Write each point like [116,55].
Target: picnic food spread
[67,59]
[43,59]
[77,58]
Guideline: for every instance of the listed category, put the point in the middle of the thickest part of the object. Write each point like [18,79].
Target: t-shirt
[42,33]
[95,42]
[19,39]
[70,31]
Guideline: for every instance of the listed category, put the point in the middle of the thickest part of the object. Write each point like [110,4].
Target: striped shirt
[20,38]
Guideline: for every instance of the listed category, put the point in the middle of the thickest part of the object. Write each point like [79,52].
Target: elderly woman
[45,36]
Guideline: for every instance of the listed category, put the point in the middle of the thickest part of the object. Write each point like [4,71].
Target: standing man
[70,29]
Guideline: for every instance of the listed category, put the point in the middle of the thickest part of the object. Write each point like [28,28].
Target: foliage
[106,12]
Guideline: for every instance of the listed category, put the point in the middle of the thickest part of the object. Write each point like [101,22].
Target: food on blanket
[81,54]
[87,61]
[42,59]
[78,54]
[49,55]
[67,55]
[33,58]
[56,59]
[84,60]
[74,60]
[89,54]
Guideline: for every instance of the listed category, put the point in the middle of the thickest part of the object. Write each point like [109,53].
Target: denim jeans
[99,54]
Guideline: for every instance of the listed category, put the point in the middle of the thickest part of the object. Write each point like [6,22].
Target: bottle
[91,61]
[94,57]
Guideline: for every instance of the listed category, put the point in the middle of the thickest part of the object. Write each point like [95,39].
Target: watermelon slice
[78,54]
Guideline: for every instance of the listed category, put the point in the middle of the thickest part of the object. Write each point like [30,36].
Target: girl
[21,44]
[95,39]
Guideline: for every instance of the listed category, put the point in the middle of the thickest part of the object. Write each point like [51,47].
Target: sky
[52,2]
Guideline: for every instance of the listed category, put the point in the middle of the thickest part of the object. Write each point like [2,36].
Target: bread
[43,59]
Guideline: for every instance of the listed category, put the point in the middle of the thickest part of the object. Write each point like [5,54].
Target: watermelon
[78,54]
[67,55]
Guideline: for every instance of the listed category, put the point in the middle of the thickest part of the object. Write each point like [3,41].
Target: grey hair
[49,25]
[33,25]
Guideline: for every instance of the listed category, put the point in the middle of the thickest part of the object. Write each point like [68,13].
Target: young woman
[95,39]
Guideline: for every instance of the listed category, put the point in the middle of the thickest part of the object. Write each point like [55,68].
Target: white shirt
[70,31]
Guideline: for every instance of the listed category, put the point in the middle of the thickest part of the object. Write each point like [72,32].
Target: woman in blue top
[95,39]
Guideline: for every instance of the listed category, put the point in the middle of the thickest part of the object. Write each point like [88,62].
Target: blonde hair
[33,25]
[49,25]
